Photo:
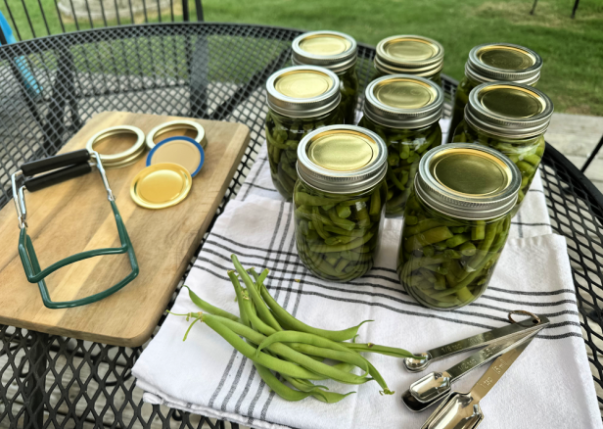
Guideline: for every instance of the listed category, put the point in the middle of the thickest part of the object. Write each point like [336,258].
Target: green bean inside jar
[300,100]
[337,52]
[512,119]
[409,54]
[490,63]
[404,110]
[339,200]
[456,224]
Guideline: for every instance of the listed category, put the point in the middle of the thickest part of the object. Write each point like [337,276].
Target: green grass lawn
[572,49]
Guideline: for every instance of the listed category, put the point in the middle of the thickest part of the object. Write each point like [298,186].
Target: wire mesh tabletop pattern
[49,87]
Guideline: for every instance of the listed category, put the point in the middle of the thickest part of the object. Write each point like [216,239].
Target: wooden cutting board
[75,216]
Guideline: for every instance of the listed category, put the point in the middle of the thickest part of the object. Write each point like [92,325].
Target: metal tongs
[435,386]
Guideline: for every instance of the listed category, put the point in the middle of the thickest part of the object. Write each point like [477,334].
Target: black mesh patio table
[49,87]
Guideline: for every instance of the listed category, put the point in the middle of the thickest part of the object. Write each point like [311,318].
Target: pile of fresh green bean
[405,149]
[283,136]
[337,234]
[444,262]
[278,342]
[526,154]
[348,84]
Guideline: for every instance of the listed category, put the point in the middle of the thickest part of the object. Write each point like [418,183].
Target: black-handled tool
[55,177]
[81,156]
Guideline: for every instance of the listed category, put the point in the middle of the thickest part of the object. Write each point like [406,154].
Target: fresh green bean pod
[525,153]
[339,243]
[463,265]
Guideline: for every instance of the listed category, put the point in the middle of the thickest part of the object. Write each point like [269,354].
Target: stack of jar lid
[171,163]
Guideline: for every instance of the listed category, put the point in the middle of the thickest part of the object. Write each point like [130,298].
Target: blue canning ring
[187,139]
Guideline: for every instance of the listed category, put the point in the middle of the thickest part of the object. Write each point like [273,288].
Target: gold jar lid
[303,91]
[342,159]
[161,185]
[403,101]
[180,127]
[117,135]
[409,54]
[509,110]
[330,49]
[468,181]
[503,62]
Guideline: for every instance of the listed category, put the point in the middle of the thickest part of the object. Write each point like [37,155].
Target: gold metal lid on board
[403,101]
[503,61]
[183,127]
[161,185]
[409,54]
[303,91]
[468,181]
[509,110]
[342,159]
[330,49]
[118,134]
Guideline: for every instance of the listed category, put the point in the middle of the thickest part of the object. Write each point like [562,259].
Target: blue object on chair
[29,81]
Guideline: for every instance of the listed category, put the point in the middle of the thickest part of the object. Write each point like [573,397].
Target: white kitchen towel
[549,386]
[531,220]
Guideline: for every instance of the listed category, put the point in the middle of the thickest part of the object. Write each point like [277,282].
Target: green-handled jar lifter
[64,167]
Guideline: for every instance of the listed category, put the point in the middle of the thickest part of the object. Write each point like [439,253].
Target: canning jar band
[302,108]
[342,181]
[337,63]
[136,148]
[534,317]
[403,118]
[457,204]
[479,67]
[472,74]
[493,131]
[173,125]
[427,71]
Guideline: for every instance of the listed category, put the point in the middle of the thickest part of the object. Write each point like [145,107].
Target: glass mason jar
[456,223]
[407,54]
[404,110]
[512,119]
[337,52]
[339,200]
[300,100]
[494,62]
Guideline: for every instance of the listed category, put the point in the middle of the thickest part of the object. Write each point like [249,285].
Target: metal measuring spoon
[462,410]
[434,386]
[486,338]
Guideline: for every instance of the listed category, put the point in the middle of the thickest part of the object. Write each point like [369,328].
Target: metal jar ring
[137,148]
[177,125]
[535,318]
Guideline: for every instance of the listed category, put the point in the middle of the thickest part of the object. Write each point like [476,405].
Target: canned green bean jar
[408,54]
[494,62]
[404,110]
[300,100]
[456,224]
[512,119]
[337,52]
[339,200]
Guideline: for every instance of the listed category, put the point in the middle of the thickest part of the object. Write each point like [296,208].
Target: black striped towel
[549,386]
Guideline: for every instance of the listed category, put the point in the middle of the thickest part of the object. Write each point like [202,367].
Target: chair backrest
[35,18]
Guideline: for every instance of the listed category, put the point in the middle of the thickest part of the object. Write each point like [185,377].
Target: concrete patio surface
[576,136]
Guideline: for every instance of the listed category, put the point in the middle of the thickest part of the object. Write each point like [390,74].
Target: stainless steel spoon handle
[506,332]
